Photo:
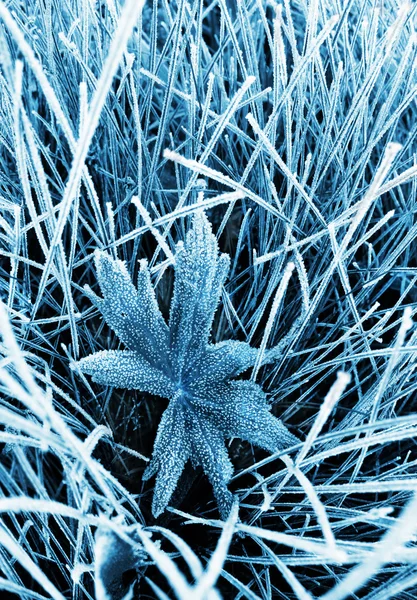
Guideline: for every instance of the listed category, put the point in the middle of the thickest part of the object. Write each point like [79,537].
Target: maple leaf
[177,361]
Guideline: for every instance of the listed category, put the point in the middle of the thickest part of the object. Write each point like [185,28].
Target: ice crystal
[177,361]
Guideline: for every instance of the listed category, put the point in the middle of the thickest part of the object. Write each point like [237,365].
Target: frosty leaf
[199,275]
[113,558]
[244,413]
[205,406]
[132,313]
[126,369]
[210,452]
[171,452]
[240,409]
[221,361]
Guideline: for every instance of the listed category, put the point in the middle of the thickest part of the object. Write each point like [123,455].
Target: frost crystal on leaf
[178,362]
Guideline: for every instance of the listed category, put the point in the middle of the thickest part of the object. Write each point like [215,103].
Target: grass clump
[292,126]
